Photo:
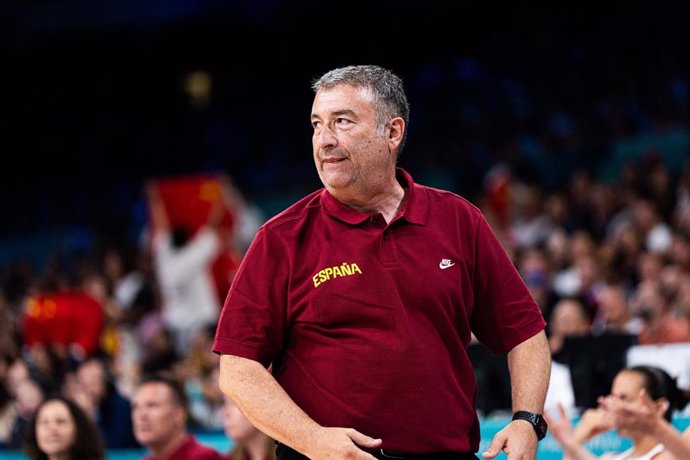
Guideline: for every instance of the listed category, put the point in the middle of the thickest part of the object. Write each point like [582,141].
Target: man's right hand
[341,443]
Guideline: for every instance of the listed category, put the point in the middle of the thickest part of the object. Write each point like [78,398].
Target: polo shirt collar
[414,210]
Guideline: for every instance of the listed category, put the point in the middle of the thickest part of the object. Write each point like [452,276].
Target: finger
[561,410]
[364,440]
[495,447]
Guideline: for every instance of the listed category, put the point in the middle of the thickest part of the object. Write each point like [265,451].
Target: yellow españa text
[336,271]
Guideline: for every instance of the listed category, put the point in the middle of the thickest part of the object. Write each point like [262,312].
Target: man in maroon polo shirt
[363,297]
[159,417]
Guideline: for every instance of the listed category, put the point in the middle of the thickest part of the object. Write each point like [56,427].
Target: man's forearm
[264,402]
[530,369]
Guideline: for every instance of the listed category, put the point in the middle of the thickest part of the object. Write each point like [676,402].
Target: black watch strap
[537,421]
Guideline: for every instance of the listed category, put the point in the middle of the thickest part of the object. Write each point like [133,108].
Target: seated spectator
[568,319]
[535,271]
[199,371]
[656,233]
[28,396]
[7,414]
[614,313]
[159,416]
[60,430]
[249,442]
[93,389]
[628,386]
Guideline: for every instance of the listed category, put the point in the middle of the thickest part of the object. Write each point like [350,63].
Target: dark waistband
[284,452]
[385,454]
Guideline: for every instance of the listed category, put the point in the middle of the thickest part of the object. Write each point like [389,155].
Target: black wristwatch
[537,421]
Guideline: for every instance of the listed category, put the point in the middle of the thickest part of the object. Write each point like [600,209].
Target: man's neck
[387,201]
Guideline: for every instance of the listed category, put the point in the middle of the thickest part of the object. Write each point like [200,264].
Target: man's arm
[530,368]
[269,408]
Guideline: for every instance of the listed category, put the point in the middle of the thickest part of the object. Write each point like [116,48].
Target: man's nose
[325,137]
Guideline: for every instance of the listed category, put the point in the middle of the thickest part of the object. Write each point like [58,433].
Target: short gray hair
[385,86]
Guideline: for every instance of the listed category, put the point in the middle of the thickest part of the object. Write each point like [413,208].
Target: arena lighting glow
[198,85]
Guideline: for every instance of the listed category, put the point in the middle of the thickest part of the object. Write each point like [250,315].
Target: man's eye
[342,121]
[315,124]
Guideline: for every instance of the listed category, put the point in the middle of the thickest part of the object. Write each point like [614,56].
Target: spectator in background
[642,416]
[28,396]
[126,272]
[183,267]
[199,371]
[7,413]
[8,328]
[569,318]
[581,275]
[531,225]
[679,253]
[629,386]
[132,289]
[93,388]
[656,233]
[248,442]
[159,416]
[535,270]
[160,354]
[614,314]
[60,430]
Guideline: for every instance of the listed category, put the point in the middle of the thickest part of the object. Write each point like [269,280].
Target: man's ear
[396,129]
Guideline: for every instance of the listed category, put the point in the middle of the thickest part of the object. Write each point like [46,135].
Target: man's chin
[335,182]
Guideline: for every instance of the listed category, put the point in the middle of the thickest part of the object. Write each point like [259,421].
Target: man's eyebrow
[344,112]
[338,113]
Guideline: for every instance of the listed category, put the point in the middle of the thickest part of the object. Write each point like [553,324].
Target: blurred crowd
[90,332]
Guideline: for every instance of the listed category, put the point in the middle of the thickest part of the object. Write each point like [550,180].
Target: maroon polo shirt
[367,324]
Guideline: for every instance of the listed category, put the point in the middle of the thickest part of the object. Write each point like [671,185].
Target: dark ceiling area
[95,103]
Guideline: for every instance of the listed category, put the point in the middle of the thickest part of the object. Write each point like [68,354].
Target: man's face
[351,151]
[156,416]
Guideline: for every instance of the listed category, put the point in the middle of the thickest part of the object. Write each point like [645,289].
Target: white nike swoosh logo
[443,266]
